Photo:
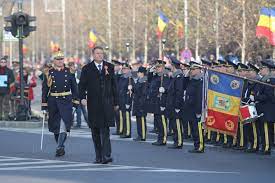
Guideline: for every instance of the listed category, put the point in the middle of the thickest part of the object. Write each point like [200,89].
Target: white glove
[198,115]
[252,98]
[162,108]
[84,102]
[130,87]
[44,112]
[161,89]
[177,110]
[127,106]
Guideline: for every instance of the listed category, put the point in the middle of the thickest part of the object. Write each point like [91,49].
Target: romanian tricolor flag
[266,25]
[180,29]
[54,46]
[92,38]
[162,22]
[223,102]
[25,49]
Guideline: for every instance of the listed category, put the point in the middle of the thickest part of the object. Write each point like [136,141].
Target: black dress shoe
[97,161]
[196,151]
[116,133]
[264,152]
[227,146]
[60,152]
[107,160]
[157,143]
[175,147]
[138,139]
[239,148]
[250,150]
[125,136]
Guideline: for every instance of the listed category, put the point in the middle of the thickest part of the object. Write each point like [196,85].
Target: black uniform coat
[101,94]
[174,95]
[264,98]
[154,99]
[193,100]
[124,95]
[139,99]
[59,107]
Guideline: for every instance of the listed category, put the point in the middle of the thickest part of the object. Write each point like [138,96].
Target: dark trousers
[126,115]
[155,123]
[4,107]
[197,135]
[162,127]
[141,127]
[117,120]
[250,136]
[176,125]
[102,144]
[265,136]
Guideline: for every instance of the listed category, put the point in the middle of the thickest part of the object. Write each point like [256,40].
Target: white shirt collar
[96,64]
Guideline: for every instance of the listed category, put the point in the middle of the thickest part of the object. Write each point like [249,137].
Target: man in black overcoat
[97,90]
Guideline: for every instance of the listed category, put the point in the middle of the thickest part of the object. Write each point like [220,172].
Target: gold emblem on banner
[214,79]
[229,125]
[210,120]
[235,84]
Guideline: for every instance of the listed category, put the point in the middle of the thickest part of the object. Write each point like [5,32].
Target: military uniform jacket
[193,100]
[101,92]
[139,98]
[125,95]
[154,97]
[264,97]
[59,92]
[174,96]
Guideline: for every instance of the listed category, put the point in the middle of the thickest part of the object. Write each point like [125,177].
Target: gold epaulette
[49,78]
[75,101]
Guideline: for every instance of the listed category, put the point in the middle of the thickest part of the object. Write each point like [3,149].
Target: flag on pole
[180,29]
[266,25]
[92,38]
[224,94]
[25,49]
[162,23]
[54,46]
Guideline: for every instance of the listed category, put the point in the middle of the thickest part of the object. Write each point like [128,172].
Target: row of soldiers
[174,95]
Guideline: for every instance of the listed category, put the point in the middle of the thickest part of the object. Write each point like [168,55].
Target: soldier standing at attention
[59,94]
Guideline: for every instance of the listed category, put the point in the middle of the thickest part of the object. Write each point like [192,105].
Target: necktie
[99,68]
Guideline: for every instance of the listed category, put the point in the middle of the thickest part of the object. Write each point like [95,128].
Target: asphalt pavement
[21,160]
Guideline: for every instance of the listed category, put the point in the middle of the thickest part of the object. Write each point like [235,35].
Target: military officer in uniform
[125,94]
[59,94]
[139,103]
[250,129]
[265,104]
[117,76]
[157,102]
[193,97]
[174,103]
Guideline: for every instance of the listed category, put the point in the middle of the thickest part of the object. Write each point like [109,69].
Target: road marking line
[29,163]
[50,166]
[102,169]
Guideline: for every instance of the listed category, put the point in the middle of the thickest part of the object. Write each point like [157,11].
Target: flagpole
[186,24]
[177,38]
[198,29]
[146,33]
[217,29]
[110,30]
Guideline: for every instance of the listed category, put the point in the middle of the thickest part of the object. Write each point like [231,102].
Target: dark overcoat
[101,92]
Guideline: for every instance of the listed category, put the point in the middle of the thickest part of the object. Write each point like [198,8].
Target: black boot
[56,137]
[60,150]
